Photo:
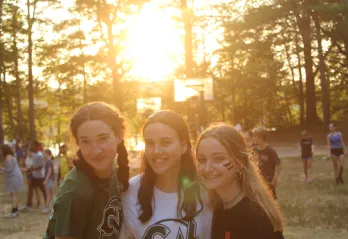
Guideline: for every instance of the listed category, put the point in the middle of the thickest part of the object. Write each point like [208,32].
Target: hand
[45,182]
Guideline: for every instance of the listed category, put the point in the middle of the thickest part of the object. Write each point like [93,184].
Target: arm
[343,146]
[299,149]
[328,144]
[277,171]
[9,166]
[48,175]
[313,150]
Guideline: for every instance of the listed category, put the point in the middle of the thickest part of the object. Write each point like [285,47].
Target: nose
[96,149]
[157,149]
[208,166]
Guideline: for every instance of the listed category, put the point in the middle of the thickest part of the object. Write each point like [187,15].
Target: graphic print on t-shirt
[112,219]
[182,229]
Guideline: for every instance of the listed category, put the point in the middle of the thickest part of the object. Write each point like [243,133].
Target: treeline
[280,63]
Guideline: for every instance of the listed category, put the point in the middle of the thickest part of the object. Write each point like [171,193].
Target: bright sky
[154,42]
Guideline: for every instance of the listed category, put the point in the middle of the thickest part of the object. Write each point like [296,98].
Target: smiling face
[216,167]
[163,148]
[98,145]
[332,128]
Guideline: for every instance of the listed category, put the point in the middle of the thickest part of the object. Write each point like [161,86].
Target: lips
[211,177]
[159,160]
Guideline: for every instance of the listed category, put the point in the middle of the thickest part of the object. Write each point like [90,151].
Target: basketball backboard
[186,88]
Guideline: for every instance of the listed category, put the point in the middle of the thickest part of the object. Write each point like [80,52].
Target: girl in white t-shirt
[165,200]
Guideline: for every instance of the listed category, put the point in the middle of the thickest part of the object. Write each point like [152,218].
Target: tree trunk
[304,25]
[19,130]
[85,83]
[2,136]
[187,18]
[30,75]
[301,93]
[322,69]
[8,103]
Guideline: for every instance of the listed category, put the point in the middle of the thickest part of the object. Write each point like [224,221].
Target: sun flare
[154,44]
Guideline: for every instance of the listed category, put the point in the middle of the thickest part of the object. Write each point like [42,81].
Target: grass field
[317,210]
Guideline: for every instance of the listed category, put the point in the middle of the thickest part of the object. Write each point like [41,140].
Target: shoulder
[9,158]
[134,185]
[76,182]
[271,150]
[255,213]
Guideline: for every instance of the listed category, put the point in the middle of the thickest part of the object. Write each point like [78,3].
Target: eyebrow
[160,139]
[99,135]
[218,153]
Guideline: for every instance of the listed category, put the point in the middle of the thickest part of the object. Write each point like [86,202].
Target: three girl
[165,200]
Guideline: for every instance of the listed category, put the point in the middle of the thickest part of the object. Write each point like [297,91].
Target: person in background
[28,163]
[13,178]
[336,152]
[243,207]
[38,173]
[306,152]
[65,163]
[268,160]
[248,136]
[20,153]
[239,128]
[49,179]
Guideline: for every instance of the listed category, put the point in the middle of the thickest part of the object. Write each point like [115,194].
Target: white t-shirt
[164,222]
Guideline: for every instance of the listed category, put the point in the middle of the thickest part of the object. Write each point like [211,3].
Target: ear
[183,147]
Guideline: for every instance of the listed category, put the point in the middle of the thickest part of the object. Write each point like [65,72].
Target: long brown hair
[187,173]
[111,116]
[251,181]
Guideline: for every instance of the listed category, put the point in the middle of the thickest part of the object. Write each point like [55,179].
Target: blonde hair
[304,133]
[252,183]
[260,132]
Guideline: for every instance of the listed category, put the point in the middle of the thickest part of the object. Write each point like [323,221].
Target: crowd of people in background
[32,165]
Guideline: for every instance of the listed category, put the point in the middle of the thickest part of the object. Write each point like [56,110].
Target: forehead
[93,128]
[158,131]
[210,146]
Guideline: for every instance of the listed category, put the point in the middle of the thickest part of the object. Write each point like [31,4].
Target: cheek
[110,149]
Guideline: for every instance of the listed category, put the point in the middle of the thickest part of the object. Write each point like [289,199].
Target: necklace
[227,204]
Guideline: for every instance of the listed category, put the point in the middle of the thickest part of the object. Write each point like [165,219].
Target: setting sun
[154,44]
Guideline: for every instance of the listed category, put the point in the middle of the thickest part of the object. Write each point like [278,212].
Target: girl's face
[98,145]
[216,167]
[332,128]
[163,148]
[45,155]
